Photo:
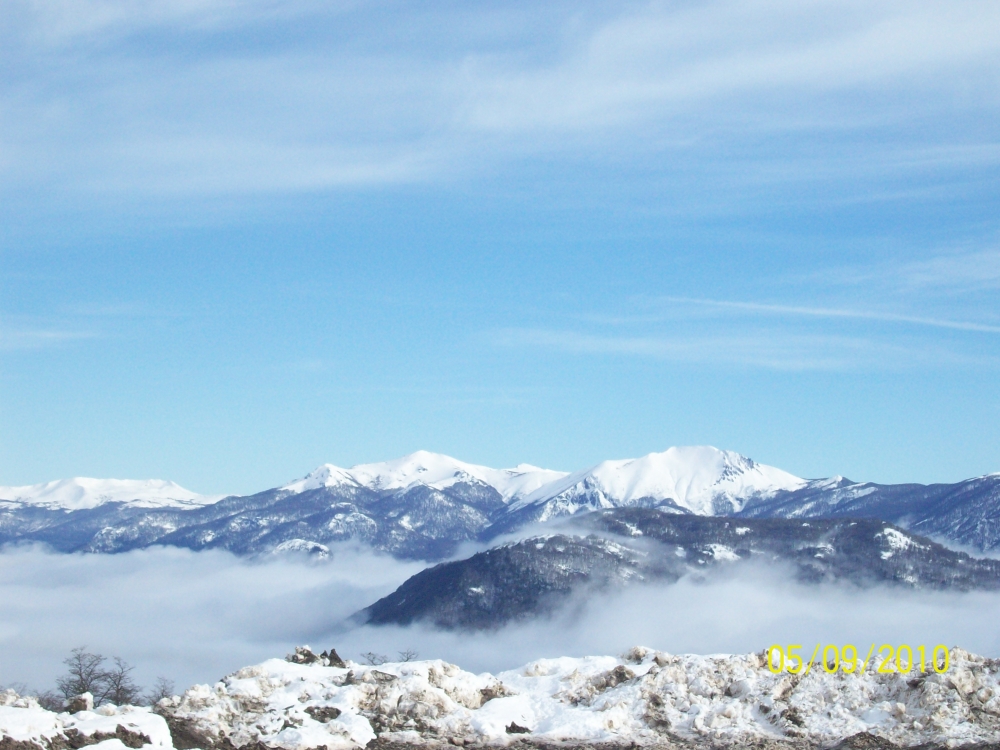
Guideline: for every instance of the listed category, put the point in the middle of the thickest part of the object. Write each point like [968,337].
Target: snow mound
[643,697]
[82,493]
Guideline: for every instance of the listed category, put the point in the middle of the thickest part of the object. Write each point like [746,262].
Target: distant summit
[84,493]
[701,480]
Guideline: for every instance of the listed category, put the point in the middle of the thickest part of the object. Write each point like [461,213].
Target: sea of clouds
[195,616]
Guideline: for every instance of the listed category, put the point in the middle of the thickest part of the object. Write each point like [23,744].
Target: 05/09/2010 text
[891,659]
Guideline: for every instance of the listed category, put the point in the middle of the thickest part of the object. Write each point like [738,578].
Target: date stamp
[888,659]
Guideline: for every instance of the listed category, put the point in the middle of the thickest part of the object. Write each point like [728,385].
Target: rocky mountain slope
[631,546]
[424,505]
[965,512]
[643,698]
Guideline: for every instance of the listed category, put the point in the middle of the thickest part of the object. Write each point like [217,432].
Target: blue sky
[239,240]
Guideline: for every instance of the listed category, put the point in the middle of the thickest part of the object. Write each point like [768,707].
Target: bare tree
[162,688]
[50,700]
[120,688]
[408,655]
[85,674]
[374,659]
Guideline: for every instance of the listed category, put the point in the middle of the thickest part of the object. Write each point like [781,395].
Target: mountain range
[424,505]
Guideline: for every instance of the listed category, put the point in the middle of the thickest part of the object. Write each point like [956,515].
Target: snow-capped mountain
[84,493]
[701,480]
[425,505]
[432,470]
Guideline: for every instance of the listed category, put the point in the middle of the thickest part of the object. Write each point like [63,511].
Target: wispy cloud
[15,339]
[57,22]
[774,348]
[958,281]
[841,313]
[662,61]
[956,272]
[208,96]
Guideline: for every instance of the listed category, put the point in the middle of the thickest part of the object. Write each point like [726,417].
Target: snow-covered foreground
[107,728]
[643,697]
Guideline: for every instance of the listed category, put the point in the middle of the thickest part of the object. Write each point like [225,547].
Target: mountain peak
[325,475]
[692,478]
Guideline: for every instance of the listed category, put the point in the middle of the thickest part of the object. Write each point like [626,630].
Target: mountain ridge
[424,505]
[682,474]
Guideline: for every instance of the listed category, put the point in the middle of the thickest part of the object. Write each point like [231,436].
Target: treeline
[107,680]
[110,680]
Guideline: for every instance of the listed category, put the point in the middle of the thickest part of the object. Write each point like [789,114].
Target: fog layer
[194,616]
[190,616]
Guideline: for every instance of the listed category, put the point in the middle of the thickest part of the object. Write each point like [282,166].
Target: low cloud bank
[194,616]
[190,616]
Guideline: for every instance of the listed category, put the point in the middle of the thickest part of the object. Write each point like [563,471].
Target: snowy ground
[107,728]
[643,697]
